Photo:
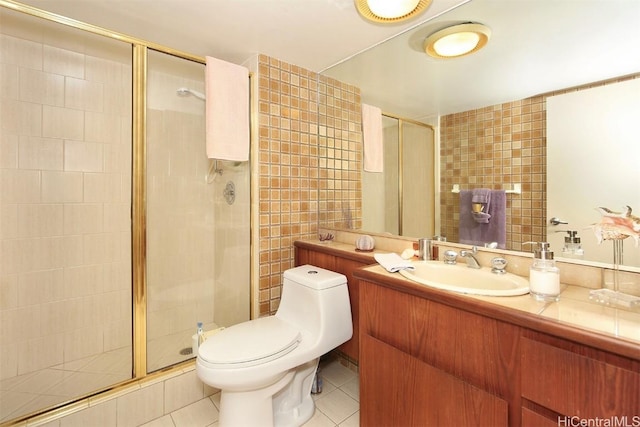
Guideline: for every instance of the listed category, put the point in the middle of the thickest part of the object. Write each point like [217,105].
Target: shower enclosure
[115,233]
[401,199]
[196,237]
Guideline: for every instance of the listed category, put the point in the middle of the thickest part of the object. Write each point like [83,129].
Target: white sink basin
[460,278]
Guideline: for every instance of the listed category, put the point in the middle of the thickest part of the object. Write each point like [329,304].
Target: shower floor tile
[24,394]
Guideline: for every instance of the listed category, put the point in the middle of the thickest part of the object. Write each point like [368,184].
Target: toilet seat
[250,343]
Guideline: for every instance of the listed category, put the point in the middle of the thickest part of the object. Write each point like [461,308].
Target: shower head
[185,91]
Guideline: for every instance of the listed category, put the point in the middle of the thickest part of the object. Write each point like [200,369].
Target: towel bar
[517,189]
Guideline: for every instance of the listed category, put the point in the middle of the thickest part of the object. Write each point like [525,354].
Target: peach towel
[372,138]
[227,110]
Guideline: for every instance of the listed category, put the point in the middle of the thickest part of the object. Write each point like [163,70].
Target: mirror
[396,200]
[537,48]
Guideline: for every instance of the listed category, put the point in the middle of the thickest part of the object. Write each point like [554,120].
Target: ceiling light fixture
[389,11]
[457,40]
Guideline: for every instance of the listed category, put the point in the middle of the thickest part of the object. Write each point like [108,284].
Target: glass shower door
[65,203]
[197,235]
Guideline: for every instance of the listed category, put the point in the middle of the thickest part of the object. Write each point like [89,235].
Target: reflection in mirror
[401,199]
[591,136]
[489,109]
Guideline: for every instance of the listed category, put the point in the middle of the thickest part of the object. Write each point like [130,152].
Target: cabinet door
[533,419]
[399,390]
[578,386]
[347,267]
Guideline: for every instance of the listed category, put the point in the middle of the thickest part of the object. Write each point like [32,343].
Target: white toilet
[265,367]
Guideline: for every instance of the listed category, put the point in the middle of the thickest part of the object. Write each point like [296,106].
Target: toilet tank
[317,300]
[314,277]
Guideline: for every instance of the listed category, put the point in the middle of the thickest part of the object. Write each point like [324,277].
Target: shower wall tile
[40,153]
[181,391]
[40,287]
[105,71]
[58,122]
[22,118]
[9,82]
[9,361]
[40,87]
[8,221]
[23,53]
[8,292]
[83,280]
[102,127]
[8,149]
[81,343]
[83,218]
[102,188]
[65,274]
[63,62]
[117,335]
[83,156]
[61,187]
[39,353]
[141,406]
[20,186]
[83,94]
[105,412]
[40,220]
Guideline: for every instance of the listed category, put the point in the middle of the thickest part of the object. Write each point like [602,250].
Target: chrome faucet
[472,262]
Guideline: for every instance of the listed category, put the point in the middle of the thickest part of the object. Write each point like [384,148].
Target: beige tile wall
[65,155]
[495,147]
[309,138]
[340,142]
[141,403]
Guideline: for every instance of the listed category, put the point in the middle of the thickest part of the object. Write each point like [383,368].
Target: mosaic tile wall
[309,137]
[496,147]
[340,139]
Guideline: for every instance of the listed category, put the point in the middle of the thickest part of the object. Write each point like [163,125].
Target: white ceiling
[313,34]
[536,45]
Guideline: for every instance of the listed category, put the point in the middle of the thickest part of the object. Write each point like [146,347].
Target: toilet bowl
[265,367]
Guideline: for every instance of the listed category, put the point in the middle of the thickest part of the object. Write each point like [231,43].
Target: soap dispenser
[572,247]
[544,276]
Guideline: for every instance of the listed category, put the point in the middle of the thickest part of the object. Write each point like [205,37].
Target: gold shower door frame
[400,166]
[140,49]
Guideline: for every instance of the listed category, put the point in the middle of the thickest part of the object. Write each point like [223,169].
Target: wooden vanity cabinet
[444,366]
[344,265]
[567,380]
[429,358]
[319,259]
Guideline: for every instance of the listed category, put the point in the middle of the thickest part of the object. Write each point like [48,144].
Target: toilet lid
[250,343]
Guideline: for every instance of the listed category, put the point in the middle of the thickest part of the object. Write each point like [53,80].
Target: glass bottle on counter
[544,276]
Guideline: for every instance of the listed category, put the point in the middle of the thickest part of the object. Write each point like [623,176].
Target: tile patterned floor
[30,392]
[337,405]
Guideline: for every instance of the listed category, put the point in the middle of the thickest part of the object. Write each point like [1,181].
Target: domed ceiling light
[390,11]
[457,40]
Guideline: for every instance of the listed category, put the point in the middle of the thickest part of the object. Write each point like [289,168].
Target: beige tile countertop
[574,316]
[576,309]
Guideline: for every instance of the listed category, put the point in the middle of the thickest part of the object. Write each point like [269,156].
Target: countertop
[573,317]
